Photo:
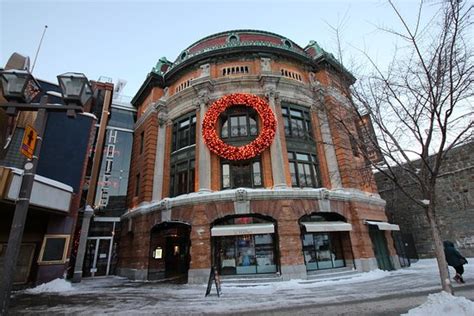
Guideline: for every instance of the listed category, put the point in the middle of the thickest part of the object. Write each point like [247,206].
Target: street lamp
[19,88]
[75,88]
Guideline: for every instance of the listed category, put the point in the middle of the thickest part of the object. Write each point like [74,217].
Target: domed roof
[239,39]
[227,43]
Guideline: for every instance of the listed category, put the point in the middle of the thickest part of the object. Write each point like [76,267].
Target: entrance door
[169,252]
[379,243]
[98,255]
[175,256]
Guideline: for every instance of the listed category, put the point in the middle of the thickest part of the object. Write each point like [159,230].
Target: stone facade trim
[256,194]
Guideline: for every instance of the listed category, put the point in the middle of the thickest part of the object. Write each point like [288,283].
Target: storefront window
[245,253]
[323,251]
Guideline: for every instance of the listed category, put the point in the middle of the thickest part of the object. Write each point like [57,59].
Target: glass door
[323,251]
[98,255]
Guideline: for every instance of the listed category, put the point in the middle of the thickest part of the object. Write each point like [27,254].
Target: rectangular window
[239,123]
[297,123]
[142,141]
[355,149]
[303,168]
[225,176]
[54,249]
[182,176]
[184,132]
[137,184]
[241,174]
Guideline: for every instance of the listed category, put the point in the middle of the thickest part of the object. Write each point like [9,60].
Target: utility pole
[21,210]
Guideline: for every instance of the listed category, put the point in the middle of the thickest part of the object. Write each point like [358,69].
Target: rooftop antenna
[39,46]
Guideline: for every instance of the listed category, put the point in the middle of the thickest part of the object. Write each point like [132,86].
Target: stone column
[81,251]
[160,151]
[276,151]
[329,150]
[204,153]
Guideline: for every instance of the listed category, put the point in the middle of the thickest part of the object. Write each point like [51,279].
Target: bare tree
[421,108]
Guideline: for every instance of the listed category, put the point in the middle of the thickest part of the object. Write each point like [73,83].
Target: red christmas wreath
[263,140]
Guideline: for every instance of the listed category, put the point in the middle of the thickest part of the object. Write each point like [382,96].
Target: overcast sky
[124,39]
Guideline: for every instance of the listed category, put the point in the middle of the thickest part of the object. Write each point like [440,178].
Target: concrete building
[238,163]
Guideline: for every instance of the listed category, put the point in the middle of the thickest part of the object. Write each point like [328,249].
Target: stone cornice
[151,110]
[244,194]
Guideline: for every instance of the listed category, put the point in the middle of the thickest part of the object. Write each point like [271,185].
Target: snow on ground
[442,304]
[119,296]
[56,286]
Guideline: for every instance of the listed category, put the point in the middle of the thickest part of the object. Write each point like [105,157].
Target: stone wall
[455,205]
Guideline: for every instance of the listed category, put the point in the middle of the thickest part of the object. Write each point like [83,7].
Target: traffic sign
[28,143]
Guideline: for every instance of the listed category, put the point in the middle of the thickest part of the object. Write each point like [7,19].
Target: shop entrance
[379,243]
[244,245]
[169,252]
[98,256]
[326,241]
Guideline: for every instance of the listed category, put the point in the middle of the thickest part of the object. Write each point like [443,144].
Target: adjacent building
[108,200]
[454,205]
[55,200]
[238,162]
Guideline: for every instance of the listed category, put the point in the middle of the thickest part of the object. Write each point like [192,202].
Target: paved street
[374,293]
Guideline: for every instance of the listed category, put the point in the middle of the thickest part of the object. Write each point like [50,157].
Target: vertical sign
[28,143]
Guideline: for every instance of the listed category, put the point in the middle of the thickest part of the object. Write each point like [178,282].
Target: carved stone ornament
[205,70]
[241,195]
[203,97]
[324,194]
[166,204]
[163,118]
[270,92]
[265,64]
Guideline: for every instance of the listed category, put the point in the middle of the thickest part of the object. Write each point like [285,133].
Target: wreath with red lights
[263,140]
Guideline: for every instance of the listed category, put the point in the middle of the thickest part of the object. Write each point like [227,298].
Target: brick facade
[279,77]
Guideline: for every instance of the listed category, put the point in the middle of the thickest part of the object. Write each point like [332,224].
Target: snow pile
[55,286]
[441,304]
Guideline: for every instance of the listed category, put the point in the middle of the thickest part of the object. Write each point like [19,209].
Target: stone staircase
[262,279]
[333,275]
[250,280]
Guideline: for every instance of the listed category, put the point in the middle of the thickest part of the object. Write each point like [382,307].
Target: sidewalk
[375,292]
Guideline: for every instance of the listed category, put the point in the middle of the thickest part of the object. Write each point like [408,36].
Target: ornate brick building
[238,162]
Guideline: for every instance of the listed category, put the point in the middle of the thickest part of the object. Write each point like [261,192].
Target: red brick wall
[135,247]
[143,163]
[166,165]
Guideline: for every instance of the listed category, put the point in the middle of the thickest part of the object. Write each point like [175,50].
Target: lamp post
[19,88]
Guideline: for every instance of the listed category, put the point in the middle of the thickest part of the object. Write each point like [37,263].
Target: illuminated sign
[105,181]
